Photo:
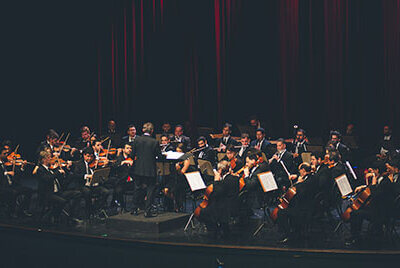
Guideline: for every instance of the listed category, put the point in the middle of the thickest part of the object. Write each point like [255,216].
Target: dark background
[318,64]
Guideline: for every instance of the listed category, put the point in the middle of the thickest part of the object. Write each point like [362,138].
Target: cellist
[380,204]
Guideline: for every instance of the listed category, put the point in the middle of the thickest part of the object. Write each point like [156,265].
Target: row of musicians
[314,190]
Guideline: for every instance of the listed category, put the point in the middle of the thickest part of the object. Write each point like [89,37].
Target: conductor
[145,150]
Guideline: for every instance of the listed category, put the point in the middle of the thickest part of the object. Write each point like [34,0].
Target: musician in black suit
[83,174]
[123,173]
[254,166]
[85,139]
[165,144]
[226,139]
[51,187]
[113,134]
[260,143]
[336,143]
[300,209]
[282,164]
[223,201]
[387,143]
[180,138]
[299,146]
[205,152]
[381,202]
[245,146]
[236,163]
[146,149]
[130,138]
[11,188]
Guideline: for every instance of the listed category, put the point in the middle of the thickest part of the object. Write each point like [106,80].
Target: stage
[108,242]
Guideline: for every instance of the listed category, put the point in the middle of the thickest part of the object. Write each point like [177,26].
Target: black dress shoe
[284,241]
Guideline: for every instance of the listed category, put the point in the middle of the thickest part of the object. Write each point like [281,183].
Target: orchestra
[66,175]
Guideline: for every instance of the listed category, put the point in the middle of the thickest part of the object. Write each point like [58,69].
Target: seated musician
[336,142]
[282,164]
[300,209]
[50,142]
[99,153]
[83,174]
[223,201]
[226,139]
[205,152]
[177,186]
[387,143]
[11,188]
[299,146]
[123,173]
[113,134]
[236,163]
[166,129]
[316,161]
[260,143]
[131,131]
[180,138]
[165,144]
[51,188]
[254,166]
[245,142]
[381,201]
[85,140]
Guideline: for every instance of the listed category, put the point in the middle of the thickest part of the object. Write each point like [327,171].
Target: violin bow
[108,148]
[65,142]
[59,139]
[105,139]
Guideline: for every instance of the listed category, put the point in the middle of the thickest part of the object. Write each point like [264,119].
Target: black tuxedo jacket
[146,149]
[122,171]
[244,155]
[207,154]
[184,139]
[277,168]
[125,140]
[265,147]
[46,180]
[218,141]
[252,183]
[79,173]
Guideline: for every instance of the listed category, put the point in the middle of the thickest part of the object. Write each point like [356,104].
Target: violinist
[11,188]
[260,143]
[282,164]
[291,219]
[130,138]
[99,153]
[235,163]
[222,202]
[226,139]
[316,162]
[51,188]
[50,142]
[113,134]
[83,174]
[254,166]
[85,140]
[123,173]
[380,204]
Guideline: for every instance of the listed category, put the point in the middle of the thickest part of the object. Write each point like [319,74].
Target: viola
[284,202]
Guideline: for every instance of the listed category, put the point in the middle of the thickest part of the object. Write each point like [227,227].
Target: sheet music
[351,170]
[171,155]
[195,181]
[343,185]
[267,181]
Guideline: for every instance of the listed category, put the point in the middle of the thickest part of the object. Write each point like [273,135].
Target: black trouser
[357,217]
[144,186]
[16,190]
[89,191]
[120,189]
[292,219]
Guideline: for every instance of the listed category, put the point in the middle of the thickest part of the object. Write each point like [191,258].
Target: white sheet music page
[170,155]
[195,181]
[267,181]
[343,185]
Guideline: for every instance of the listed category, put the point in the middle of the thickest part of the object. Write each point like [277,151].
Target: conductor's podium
[164,222]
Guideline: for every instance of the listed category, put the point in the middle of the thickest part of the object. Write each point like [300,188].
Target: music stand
[195,182]
[100,176]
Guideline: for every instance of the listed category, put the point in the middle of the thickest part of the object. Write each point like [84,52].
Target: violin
[56,162]
[111,151]
[284,202]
